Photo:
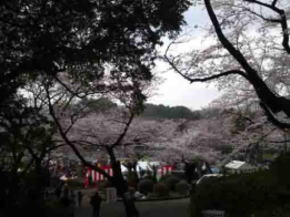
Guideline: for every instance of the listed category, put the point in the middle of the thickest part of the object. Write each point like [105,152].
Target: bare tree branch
[192,80]
[267,97]
[273,119]
[126,128]
[272,20]
[282,21]
[68,142]
[282,141]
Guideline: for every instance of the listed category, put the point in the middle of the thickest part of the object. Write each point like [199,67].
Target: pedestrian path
[166,208]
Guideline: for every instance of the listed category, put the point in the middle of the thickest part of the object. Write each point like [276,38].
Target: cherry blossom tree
[200,139]
[230,134]
[241,57]
[98,46]
[62,99]
[78,128]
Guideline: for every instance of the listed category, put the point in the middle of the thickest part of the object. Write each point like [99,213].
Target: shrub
[103,185]
[238,195]
[161,189]
[148,177]
[145,186]
[182,187]
[171,181]
[75,184]
[262,193]
[279,167]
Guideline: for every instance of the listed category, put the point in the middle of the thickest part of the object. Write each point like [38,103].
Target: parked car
[206,177]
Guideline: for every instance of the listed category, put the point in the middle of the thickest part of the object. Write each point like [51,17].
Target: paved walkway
[167,208]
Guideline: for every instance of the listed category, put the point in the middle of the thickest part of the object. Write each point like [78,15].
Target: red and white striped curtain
[165,170]
[96,176]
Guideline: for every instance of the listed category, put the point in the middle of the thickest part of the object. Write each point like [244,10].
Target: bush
[161,189]
[75,184]
[262,193]
[182,187]
[170,181]
[279,167]
[52,204]
[102,185]
[145,186]
[239,195]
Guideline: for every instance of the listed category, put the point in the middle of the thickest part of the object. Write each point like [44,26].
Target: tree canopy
[250,54]
[57,52]
[85,38]
[174,112]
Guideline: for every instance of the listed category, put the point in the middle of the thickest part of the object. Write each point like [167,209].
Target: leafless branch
[282,21]
[282,141]
[191,80]
[68,142]
[273,119]
[272,20]
[209,78]
[125,130]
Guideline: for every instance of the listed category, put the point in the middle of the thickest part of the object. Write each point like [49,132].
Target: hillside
[174,112]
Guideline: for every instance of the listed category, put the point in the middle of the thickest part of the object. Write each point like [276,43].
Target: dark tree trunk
[121,186]
[130,208]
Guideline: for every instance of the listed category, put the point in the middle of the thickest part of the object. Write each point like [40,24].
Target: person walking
[96,204]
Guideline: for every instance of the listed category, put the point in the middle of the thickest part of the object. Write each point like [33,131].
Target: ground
[166,208]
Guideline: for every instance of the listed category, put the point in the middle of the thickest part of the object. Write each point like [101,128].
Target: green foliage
[240,194]
[54,204]
[161,189]
[104,184]
[23,193]
[279,168]
[182,187]
[26,140]
[26,135]
[239,124]
[145,186]
[175,112]
[210,112]
[265,193]
[107,45]
[240,120]
[98,105]
[47,37]
[225,149]
[75,184]
[170,181]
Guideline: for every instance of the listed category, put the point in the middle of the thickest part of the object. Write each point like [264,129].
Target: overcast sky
[174,90]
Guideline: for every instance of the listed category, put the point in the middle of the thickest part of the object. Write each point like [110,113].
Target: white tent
[146,165]
[237,166]
[142,165]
